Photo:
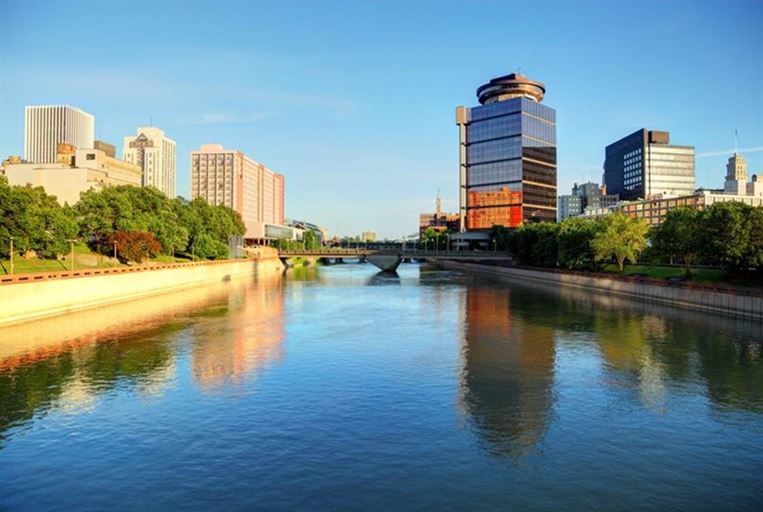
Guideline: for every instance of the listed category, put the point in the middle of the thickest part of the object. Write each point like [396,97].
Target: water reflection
[650,349]
[384,279]
[246,338]
[508,373]
[66,362]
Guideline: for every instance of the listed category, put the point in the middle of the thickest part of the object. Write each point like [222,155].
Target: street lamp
[71,252]
[115,252]
[11,263]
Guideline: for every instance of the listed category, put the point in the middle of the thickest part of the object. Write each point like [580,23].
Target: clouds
[724,152]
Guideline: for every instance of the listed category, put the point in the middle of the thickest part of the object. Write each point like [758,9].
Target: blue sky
[354,101]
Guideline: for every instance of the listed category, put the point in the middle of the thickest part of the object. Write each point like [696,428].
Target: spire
[438,204]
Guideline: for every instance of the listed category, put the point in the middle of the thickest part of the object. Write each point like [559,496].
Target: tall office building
[228,177]
[46,126]
[155,154]
[644,164]
[507,155]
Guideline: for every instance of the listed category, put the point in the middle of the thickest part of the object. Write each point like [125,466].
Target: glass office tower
[644,164]
[507,155]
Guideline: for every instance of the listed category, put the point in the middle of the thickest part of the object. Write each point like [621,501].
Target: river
[339,388]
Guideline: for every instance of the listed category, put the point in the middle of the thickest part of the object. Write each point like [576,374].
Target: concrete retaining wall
[30,296]
[695,298]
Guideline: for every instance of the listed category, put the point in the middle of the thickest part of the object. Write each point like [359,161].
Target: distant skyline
[354,102]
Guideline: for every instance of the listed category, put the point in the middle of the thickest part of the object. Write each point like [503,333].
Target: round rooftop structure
[510,86]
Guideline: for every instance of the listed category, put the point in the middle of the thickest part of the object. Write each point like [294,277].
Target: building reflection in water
[651,348]
[67,362]
[507,374]
[249,336]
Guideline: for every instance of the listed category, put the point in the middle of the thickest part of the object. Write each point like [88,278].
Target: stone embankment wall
[731,301]
[29,296]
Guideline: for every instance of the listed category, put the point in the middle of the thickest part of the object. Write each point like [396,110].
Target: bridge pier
[384,262]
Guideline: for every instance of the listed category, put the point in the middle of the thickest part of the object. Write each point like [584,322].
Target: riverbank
[30,296]
[733,301]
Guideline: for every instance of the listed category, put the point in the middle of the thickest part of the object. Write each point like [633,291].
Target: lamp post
[11,263]
[71,252]
[115,252]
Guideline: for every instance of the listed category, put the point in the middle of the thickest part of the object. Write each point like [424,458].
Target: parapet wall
[29,296]
[696,298]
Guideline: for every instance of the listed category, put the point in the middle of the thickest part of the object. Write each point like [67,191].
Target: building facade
[585,196]
[155,154]
[228,177]
[507,153]
[46,126]
[74,171]
[644,164]
[439,220]
[655,209]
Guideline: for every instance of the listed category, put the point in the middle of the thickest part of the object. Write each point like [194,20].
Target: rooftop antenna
[151,122]
[736,141]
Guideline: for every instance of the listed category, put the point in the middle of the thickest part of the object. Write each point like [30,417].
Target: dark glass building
[507,155]
[644,165]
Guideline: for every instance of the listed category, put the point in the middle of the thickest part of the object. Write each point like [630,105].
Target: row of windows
[502,108]
[501,149]
[545,154]
[512,187]
[494,128]
[539,195]
[539,173]
[486,218]
[495,172]
[538,129]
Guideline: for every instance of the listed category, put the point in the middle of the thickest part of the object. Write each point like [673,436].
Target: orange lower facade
[486,209]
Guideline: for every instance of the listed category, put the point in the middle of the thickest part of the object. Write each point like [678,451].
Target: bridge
[389,259]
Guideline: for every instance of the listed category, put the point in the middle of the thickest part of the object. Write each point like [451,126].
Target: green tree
[311,243]
[535,244]
[725,234]
[574,243]
[35,220]
[754,253]
[679,236]
[500,237]
[620,236]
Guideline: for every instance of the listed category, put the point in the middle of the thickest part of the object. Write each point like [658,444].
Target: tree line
[728,235]
[137,221]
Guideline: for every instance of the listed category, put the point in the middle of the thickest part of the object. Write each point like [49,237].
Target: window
[90,156]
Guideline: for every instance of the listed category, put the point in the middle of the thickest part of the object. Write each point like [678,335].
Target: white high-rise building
[155,154]
[46,126]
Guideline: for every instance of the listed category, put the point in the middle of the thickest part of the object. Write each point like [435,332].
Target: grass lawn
[83,258]
[700,275]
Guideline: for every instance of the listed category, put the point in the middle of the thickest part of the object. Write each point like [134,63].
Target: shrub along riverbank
[139,222]
[728,236]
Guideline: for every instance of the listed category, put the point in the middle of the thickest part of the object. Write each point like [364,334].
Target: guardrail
[69,274]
